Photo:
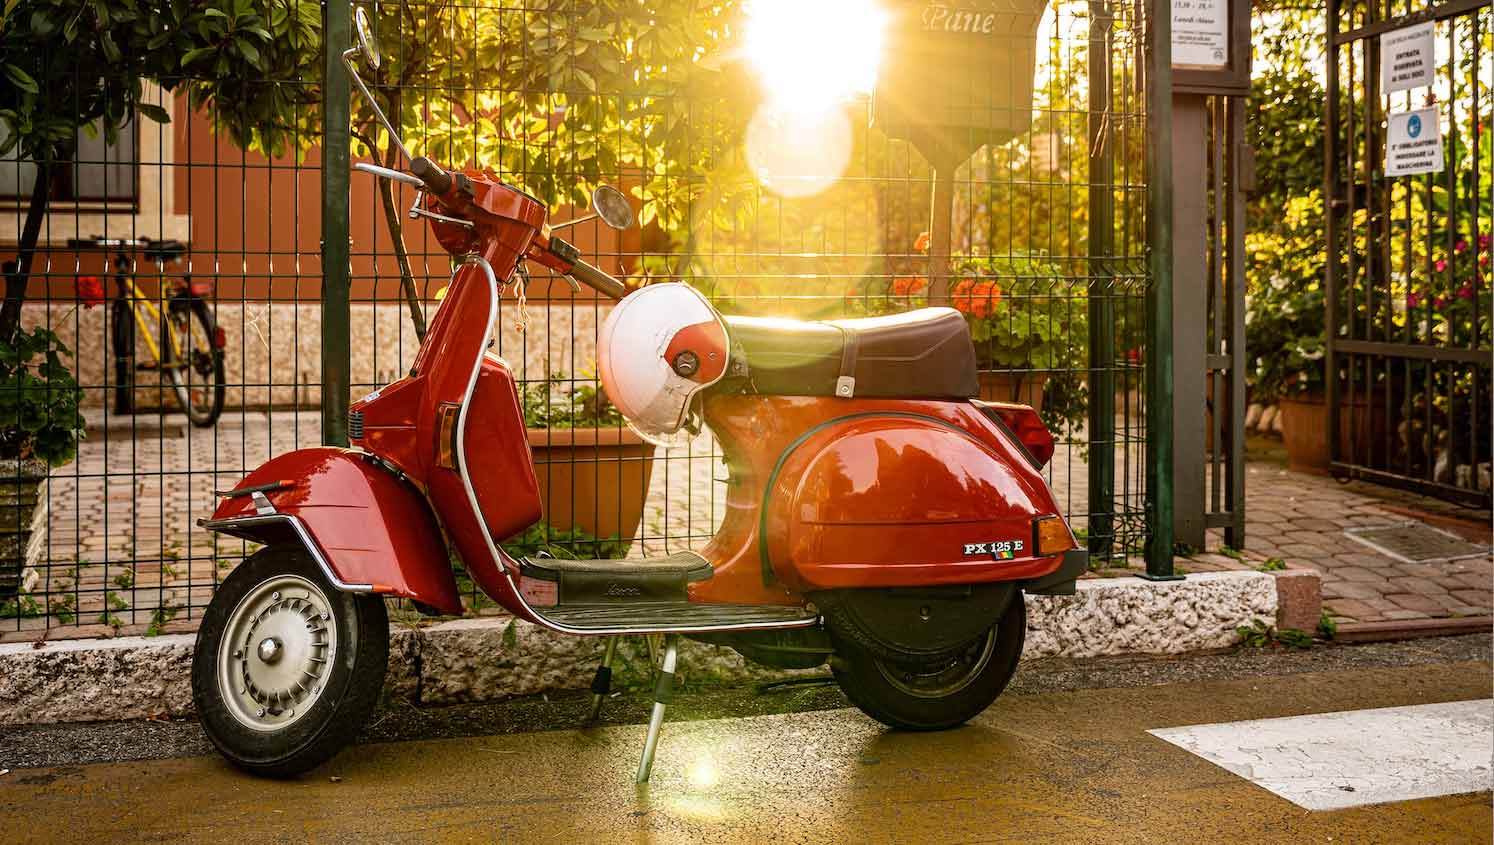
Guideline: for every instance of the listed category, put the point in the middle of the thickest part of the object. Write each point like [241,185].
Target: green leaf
[21,79]
[154,112]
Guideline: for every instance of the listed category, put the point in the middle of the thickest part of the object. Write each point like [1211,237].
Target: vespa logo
[621,591]
[938,17]
[998,549]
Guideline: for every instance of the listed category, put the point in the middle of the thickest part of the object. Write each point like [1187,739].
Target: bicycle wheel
[194,361]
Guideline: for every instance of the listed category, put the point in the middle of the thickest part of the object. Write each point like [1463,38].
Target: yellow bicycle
[180,336]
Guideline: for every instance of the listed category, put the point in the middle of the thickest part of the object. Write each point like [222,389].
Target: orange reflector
[446,417]
[1051,536]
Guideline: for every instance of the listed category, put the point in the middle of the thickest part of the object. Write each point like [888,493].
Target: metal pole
[336,282]
[1193,145]
[602,683]
[940,233]
[1159,446]
[1101,240]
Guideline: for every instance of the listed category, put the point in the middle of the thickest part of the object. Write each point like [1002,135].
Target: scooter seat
[922,354]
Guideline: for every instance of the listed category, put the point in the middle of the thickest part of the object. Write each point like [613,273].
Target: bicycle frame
[131,291]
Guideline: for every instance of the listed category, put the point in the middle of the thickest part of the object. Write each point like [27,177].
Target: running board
[680,617]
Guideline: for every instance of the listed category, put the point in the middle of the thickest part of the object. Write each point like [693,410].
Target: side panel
[865,493]
[371,527]
[900,500]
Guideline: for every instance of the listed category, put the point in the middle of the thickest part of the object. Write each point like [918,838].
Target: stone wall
[273,352]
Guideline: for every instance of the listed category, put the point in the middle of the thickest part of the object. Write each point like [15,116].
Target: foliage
[1327,626]
[560,402]
[1260,635]
[1271,564]
[570,544]
[39,398]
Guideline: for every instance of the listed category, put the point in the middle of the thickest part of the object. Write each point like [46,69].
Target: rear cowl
[902,499]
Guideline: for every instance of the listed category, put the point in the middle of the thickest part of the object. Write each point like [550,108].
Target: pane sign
[1407,58]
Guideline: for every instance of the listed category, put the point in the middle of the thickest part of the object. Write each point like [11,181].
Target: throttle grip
[438,181]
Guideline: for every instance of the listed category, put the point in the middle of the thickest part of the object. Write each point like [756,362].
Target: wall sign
[1407,58]
[1413,143]
[1200,34]
[1211,47]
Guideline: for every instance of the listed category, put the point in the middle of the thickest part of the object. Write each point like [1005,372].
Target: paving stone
[1359,573]
[1421,604]
[1406,614]
[1474,598]
[1351,609]
[1352,589]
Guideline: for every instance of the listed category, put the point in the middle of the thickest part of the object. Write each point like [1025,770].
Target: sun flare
[812,55]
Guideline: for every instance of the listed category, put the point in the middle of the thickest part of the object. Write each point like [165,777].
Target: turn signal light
[1051,536]
[446,420]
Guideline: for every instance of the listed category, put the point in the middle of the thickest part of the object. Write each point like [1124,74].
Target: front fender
[370,531]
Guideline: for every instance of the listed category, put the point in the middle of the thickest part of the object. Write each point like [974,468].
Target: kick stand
[663,692]
[601,683]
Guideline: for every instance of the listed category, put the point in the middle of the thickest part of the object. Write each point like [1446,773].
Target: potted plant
[39,428]
[1028,321]
[593,470]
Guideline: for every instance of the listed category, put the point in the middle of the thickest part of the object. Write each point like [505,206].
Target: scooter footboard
[367,529]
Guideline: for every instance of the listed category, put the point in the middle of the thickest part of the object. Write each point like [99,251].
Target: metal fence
[771,211]
[1410,352]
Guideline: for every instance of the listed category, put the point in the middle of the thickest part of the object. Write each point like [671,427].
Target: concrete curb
[474,660]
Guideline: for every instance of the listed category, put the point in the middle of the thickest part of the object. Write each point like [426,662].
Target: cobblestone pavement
[1301,519]
[124,551]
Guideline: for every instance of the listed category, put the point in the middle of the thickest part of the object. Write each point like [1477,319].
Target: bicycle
[190,351]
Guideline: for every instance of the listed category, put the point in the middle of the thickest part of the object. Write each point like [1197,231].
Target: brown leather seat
[923,354]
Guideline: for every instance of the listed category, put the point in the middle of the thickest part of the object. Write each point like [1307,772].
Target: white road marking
[1329,761]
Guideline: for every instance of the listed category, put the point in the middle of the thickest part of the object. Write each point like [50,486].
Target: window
[100,172]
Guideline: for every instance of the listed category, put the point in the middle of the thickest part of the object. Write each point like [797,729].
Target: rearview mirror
[368,45]
[610,205]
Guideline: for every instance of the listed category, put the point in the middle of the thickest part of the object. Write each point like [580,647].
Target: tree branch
[17,280]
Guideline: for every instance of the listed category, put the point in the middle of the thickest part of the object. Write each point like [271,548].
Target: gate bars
[1408,359]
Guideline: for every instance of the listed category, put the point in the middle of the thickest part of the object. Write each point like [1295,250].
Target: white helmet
[661,345]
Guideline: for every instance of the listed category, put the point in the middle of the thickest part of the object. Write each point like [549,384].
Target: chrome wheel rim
[277,650]
[941,678]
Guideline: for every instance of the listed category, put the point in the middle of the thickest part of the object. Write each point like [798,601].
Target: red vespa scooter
[877,517]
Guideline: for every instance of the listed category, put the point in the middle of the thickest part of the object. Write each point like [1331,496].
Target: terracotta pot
[23,514]
[594,479]
[1021,388]
[1363,427]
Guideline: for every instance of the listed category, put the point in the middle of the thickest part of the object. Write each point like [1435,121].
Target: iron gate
[1408,358]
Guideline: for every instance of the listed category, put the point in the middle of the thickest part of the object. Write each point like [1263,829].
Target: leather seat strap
[845,386]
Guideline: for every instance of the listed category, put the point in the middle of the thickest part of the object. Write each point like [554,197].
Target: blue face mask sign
[1413,142]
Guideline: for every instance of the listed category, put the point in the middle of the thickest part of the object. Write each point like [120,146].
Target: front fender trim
[261,527]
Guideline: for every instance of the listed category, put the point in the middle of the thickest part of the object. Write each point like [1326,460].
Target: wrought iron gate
[1408,359]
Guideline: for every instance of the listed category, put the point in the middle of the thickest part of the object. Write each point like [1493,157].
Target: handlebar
[431,175]
[386,173]
[600,281]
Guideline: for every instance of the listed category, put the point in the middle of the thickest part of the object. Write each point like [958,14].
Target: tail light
[1023,423]
[220,337]
[202,289]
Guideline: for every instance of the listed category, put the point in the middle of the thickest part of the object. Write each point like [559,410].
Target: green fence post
[1159,363]
[1101,239]
[336,283]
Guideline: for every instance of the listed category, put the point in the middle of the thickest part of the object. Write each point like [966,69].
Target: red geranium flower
[909,285]
[922,243]
[90,290]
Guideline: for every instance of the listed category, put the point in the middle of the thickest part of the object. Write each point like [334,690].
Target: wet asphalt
[1065,757]
[101,742]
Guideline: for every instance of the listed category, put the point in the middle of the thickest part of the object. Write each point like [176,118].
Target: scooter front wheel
[286,667]
[920,694]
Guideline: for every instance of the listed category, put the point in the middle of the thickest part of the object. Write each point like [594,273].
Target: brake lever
[386,173]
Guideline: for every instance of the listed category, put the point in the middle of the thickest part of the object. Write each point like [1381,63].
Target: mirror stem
[347,62]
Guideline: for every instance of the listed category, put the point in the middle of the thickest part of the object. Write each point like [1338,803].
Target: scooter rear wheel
[286,668]
[919,694]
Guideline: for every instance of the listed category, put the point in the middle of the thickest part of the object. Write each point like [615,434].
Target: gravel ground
[96,742]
